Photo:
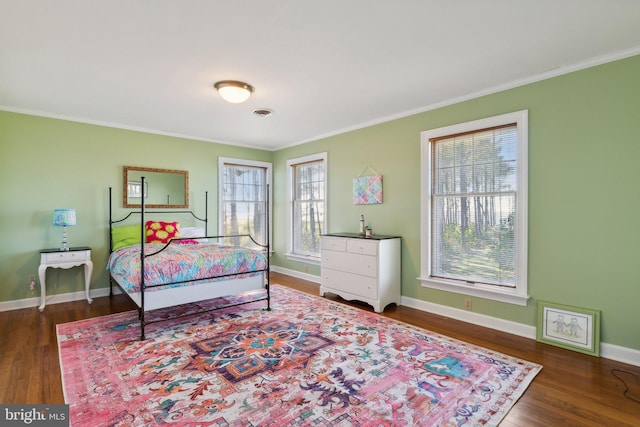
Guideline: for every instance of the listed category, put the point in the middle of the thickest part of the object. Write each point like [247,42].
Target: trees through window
[307,202]
[243,200]
[474,207]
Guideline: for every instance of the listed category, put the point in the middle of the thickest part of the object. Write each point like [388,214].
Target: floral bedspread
[182,263]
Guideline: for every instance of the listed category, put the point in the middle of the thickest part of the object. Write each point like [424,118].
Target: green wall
[584,238]
[47,163]
[584,202]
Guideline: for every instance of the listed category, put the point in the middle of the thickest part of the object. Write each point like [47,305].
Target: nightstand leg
[42,273]
[88,268]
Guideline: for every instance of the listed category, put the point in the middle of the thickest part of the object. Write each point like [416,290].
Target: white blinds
[308,207]
[244,204]
[473,206]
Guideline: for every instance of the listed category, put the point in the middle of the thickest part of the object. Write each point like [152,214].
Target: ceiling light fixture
[234,91]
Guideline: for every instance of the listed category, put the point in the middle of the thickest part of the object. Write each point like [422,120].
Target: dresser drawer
[354,263]
[341,281]
[64,257]
[362,246]
[334,243]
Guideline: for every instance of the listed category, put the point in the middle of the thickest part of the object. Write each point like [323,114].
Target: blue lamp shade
[64,217]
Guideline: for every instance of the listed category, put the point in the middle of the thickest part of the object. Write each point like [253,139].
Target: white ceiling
[323,67]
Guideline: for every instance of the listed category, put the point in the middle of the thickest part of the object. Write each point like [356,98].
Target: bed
[157,267]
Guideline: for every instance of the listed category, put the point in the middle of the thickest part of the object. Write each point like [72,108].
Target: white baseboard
[55,299]
[620,354]
[294,273]
[471,317]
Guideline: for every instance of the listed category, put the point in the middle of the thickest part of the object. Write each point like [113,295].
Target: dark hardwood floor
[571,390]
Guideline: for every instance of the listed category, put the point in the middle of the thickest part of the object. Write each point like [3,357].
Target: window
[306,219]
[243,199]
[474,208]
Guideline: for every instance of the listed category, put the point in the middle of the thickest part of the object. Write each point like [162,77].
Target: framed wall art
[573,328]
[367,190]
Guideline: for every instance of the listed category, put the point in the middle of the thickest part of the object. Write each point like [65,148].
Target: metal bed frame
[143,256]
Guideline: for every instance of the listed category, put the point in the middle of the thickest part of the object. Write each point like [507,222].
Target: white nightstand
[56,258]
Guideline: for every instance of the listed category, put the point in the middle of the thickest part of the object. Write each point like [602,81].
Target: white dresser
[363,269]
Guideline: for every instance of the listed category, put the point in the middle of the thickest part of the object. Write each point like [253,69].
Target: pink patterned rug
[307,362]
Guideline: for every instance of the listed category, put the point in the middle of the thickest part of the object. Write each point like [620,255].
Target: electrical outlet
[467,304]
[32,282]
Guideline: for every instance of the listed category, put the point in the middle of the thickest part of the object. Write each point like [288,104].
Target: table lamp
[64,217]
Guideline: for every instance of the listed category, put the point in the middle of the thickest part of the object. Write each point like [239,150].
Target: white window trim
[242,162]
[291,162]
[519,294]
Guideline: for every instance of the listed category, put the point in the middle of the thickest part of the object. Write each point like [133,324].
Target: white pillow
[191,232]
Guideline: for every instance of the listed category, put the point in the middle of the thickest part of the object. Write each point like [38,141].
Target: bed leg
[268,297]
[142,324]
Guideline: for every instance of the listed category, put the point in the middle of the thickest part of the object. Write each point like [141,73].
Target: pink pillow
[161,232]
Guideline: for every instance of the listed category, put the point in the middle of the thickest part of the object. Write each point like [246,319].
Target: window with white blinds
[307,201]
[476,178]
[243,200]
[473,206]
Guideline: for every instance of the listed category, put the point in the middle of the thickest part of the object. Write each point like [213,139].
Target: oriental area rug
[307,362]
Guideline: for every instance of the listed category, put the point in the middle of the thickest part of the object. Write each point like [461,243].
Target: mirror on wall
[163,188]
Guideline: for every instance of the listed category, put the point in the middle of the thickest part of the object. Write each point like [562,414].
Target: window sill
[503,295]
[308,259]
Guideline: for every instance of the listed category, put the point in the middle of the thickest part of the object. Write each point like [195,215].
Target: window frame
[517,295]
[291,163]
[222,162]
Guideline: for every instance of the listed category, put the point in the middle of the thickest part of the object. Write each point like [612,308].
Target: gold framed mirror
[164,188]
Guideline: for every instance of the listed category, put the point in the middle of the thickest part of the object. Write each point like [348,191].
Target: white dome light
[234,91]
